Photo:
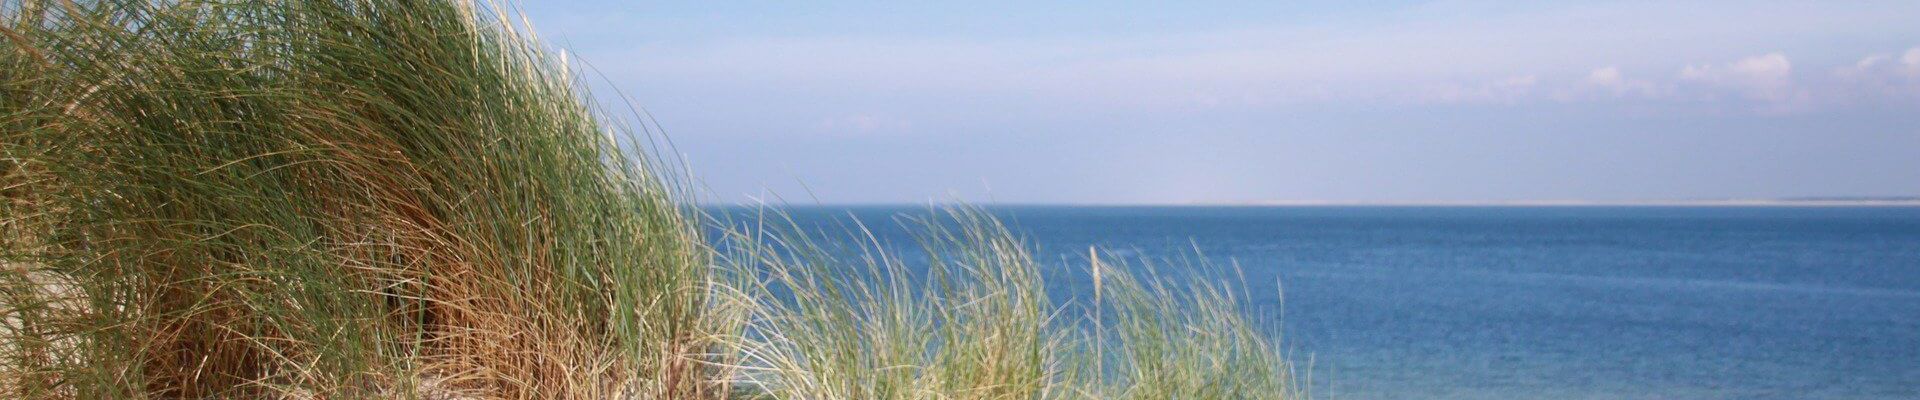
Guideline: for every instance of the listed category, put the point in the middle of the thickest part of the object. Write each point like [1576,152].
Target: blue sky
[1214,102]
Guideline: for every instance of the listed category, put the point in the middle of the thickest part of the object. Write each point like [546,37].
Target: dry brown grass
[332,199]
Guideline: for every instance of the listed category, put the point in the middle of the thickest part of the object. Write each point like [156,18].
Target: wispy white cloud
[1545,54]
[1767,77]
[1883,75]
[1611,82]
[1503,91]
[1904,64]
[1447,98]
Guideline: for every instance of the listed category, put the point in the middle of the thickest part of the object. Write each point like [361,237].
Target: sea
[1498,302]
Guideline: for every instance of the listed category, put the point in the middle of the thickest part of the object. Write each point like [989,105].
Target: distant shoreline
[1434,203]
[1590,203]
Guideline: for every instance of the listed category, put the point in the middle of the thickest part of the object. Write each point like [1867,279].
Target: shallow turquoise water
[1543,302]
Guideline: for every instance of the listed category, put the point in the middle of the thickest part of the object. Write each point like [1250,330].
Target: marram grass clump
[964,312]
[328,199]
[414,200]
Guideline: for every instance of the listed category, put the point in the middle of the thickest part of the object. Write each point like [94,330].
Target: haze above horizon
[1221,103]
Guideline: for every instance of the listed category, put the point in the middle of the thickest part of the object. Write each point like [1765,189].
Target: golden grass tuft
[329,199]
[964,312]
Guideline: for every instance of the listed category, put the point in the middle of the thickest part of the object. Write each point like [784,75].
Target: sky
[1128,102]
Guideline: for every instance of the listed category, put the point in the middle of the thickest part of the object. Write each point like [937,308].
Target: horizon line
[1784,202]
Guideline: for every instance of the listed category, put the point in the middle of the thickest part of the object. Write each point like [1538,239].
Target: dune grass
[966,314]
[414,199]
[329,199]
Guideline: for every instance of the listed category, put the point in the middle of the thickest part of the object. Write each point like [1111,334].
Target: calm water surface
[1544,302]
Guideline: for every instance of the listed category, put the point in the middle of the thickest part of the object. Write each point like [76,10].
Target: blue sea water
[1541,302]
